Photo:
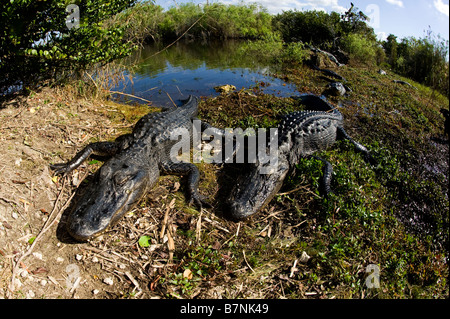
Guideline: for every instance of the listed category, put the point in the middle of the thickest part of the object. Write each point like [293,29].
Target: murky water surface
[196,68]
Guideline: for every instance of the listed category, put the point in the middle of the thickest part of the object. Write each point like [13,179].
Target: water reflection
[163,76]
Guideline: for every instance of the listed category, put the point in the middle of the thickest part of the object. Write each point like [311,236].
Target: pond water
[195,68]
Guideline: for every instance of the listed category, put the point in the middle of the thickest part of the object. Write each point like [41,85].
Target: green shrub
[360,48]
[423,60]
[315,27]
[295,52]
[36,44]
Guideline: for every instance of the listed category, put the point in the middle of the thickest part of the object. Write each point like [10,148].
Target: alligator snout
[105,201]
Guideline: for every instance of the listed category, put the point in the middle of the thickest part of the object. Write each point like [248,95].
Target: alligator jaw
[105,201]
[254,190]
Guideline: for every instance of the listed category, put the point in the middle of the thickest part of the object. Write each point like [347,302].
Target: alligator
[301,134]
[328,72]
[404,83]
[336,89]
[135,163]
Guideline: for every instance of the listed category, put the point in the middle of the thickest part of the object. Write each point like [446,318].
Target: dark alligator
[404,83]
[300,135]
[328,72]
[135,163]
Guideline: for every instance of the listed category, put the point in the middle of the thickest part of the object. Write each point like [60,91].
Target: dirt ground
[38,259]
[34,132]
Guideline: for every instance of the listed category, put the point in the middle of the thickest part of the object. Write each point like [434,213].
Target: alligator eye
[121,178]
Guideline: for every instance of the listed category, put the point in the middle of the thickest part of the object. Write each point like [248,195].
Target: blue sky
[402,18]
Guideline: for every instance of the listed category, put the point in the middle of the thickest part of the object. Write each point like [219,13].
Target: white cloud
[396,3]
[441,6]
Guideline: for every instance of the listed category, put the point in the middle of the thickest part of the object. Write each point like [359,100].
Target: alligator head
[254,190]
[117,187]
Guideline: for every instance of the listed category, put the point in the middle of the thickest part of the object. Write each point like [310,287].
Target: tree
[36,44]
[390,46]
[354,21]
[315,27]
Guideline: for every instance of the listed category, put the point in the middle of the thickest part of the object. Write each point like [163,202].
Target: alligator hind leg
[342,134]
[99,148]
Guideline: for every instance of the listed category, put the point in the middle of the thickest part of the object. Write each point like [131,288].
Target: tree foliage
[423,60]
[36,44]
[149,21]
[321,29]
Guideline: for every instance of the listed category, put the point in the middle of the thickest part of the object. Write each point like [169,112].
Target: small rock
[78,257]
[187,274]
[17,283]
[14,215]
[59,259]
[18,161]
[43,282]
[225,88]
[75,179]
[94,259]
[382,72]
[95,291]
[108,281]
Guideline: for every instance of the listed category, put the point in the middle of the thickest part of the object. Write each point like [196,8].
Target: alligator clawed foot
[60,169]
[199,201]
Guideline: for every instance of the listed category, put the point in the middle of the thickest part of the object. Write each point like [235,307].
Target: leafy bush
[36,44]
[316,27]
[423,60]
[295,52]
[147,20]
[362,49]
[322,29]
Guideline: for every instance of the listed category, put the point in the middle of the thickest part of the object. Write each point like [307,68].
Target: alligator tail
[325,185]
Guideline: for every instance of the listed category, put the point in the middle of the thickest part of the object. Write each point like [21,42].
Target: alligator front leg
[99,148]
[193,175]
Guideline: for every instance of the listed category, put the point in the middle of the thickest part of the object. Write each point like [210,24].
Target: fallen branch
[243,252]
[130,95]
